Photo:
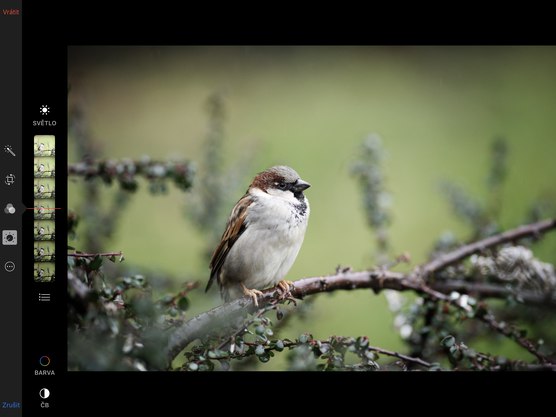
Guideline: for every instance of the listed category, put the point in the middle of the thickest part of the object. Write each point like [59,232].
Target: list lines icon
[44,296]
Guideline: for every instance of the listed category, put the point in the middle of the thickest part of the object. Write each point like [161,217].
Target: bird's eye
[282,185]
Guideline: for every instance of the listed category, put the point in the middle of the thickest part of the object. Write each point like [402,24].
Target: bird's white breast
[265,252]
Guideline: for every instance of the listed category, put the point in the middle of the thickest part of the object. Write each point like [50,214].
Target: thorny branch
[405,358]
[377,280]
[410,359]
[487,318]
[270,306]
[530,230]
[486,290]
[125,171]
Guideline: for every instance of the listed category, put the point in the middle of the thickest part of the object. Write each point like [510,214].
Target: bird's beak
[300,185]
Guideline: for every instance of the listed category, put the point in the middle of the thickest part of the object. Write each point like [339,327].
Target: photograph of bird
[263,236]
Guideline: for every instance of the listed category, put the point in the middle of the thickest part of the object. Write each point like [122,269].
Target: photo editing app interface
[32,123]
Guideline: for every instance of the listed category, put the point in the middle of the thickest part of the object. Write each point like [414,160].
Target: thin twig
[488,318]
[243,328]
[486,290]
[417,361]
[295,343]
[530,230]
[406,358]
[511,333]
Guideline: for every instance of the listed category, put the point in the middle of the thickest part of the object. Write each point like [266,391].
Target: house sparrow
[263,235]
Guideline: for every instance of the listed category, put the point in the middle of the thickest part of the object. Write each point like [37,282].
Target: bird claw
[285,288]
[253,294]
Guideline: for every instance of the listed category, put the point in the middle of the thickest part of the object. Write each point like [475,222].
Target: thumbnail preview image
[44,145]
[44,271]
[44,252]
[43,230]
[44,188]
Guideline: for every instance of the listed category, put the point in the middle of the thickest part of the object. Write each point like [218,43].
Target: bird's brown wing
[234,228]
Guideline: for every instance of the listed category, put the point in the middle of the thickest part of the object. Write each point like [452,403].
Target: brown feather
[234,228]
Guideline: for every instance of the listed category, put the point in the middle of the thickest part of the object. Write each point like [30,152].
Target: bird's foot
[253,294]
[285,288]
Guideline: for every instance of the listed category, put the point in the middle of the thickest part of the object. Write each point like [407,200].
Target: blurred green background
[437,109]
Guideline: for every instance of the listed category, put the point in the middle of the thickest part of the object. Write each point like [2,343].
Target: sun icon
[44,109]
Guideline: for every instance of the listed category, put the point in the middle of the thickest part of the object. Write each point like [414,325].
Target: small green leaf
[371,355]
[96,263]
[435,367]
[112,258]
[128,184]
[183,303]
[448,341]
[470,353]
[264,358]
[166,299]
[139,280]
